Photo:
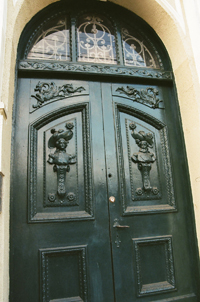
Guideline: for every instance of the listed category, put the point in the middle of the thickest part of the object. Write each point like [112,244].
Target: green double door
[99,208]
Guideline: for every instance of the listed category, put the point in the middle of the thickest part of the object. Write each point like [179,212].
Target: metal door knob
[112,199]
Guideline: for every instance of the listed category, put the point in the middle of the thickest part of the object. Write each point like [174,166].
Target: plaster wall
[175,24]
[3,21]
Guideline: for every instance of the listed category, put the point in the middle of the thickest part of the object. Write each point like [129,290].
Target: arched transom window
[94,38]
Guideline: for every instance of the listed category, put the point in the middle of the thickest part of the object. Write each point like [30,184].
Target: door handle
[119,226]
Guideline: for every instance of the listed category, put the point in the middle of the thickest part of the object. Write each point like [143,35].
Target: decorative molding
[155,123]
[167,166]
[150,119]
[33,172]
[46,254]
[46,92]
[95,69]
[87,162]
[87,213]
[169,204]
[147,97]
[163,285]
[184,298]
[120,159]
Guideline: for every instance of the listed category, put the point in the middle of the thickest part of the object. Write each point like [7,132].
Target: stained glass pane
[52,42]
[137,52]
[96,40]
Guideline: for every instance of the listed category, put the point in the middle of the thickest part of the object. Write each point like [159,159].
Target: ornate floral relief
[95,69]
[49,91]
[147,97]
[95,42]
[61,161]
[144,159]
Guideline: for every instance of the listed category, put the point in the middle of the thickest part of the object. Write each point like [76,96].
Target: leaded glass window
[96,40]
[136,53]
[52,43]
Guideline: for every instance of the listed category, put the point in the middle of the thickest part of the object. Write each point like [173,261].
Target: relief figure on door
[61,160]
[144,158]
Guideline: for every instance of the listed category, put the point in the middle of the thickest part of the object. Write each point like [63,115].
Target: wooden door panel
[63,274]
[153,278]
[145,228]
[146,175]
[46,180]
[67,257]
[90,248]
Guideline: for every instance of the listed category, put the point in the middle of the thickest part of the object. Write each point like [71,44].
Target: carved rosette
[61,162]
[144,159]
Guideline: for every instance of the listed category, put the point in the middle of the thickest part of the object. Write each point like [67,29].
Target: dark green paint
[110,268]
[139,248]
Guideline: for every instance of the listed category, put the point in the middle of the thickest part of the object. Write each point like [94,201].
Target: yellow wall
[161,16]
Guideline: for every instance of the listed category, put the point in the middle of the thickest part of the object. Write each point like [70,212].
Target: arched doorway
[100,207]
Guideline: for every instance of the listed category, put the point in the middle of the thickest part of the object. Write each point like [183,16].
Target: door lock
[112,199]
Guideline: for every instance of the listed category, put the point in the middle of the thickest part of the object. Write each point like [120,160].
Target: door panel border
[33,215]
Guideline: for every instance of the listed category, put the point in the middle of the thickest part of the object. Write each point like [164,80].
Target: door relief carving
[95,69]
[147,97]
[144,158]
[49,91]
[61,161]
[89,125]
[145,168]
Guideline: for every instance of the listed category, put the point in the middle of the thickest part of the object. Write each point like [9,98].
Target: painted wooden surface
[73,150]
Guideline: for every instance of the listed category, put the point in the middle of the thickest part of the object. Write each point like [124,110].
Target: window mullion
[73,39]
[119,45]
